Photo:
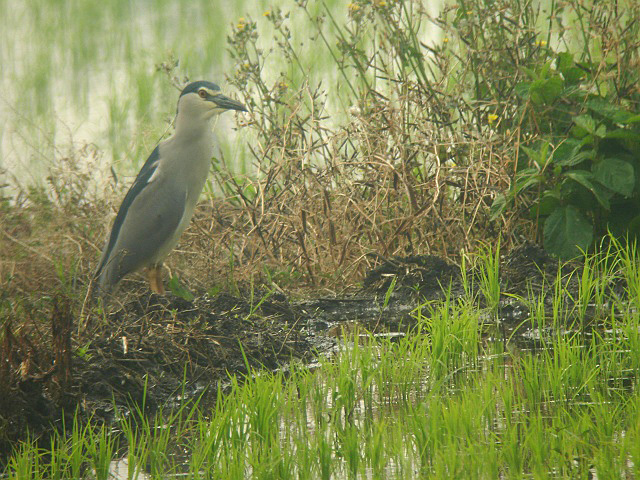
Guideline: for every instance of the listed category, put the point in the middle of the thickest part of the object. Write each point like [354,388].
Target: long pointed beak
[228,103]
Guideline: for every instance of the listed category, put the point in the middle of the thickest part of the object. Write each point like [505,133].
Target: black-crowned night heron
[160,203]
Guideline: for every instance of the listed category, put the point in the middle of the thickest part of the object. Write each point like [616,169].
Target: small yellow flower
[492,117]
[382,3]
[267,13]
[541,43]
[353,7]
[469,12]
[241,23]
[445,40]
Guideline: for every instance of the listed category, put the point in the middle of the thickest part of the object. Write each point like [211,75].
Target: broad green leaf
[526,172]
[531,153]
[546,91]
[565,61]
[634,226]
[540,157]
[566,232]
[578,158]
[553,88]
[566,149]
[616,175]
[586,122]
[548,203]
[573,75]
[526,179]
[568,153]
[624,219]
[624,135]
[535,92]
[498,206]
[585,179]
[608,110]
[544,156]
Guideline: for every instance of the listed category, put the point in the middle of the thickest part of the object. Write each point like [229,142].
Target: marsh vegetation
[359,294]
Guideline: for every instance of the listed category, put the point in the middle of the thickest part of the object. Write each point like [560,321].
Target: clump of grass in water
[437,401]
[487,266]
[430,402]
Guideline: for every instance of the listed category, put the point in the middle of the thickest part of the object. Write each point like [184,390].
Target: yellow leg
[155,279]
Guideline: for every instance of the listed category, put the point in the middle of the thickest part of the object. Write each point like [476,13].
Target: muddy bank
[148,350]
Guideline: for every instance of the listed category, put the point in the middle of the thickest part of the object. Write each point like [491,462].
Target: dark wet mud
[153,350]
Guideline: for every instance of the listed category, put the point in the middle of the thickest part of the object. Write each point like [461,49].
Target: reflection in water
[119,470]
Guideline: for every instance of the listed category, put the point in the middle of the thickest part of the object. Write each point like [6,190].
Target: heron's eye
[202,93]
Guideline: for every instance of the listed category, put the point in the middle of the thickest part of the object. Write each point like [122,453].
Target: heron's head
[205,100]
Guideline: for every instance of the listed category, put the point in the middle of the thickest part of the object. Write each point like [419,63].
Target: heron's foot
[155,279]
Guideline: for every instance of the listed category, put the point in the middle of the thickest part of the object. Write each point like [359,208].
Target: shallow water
[85,72]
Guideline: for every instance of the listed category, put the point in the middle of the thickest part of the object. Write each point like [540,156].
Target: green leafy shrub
[581,174]
[488,100]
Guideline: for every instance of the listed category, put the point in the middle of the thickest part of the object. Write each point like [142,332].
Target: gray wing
[145,225]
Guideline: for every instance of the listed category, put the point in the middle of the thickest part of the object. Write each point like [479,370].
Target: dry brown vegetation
[328,222]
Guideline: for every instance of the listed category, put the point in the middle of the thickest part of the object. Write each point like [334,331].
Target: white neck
[188,127]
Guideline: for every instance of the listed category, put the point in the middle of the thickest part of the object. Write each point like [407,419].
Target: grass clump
[429,402]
